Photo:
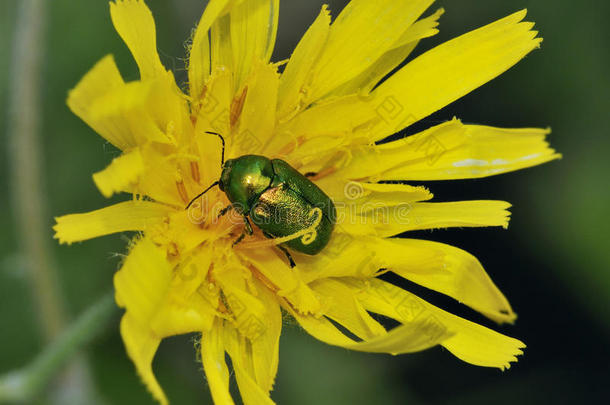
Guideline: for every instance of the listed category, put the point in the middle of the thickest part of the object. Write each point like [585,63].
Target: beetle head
[244,179]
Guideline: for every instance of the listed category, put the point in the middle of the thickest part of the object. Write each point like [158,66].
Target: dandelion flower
[323,111]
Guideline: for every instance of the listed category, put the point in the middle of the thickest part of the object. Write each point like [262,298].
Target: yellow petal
[143,281]
[450,150]
[333,124]
[320,328]
[363,32]
[214,364]
[342,307]
[147,288]
[370,207]
[185,309]
[335,116]
[445,269]
[257,120]
[191,274]
[298,69]
[345,193]
[141,346]
[199,51]
[372,161]
[193,314]
[169,110]
[378,209]
[220,43]
[434,265]
[122,172]
[468,341]
[457,151]
[142,112]
[416,335]
[266,347]
[241,356]
[394,219]
[345,255]
[254,344]
[248,313]
[135,24]
[408,338]
[309,155]
[451,70]
[214,115]
[182,231]
[424,28]
[103,78]
[287,282]
[141,286]
[253,32]
[250,392]
[121,217]
[485,151]
[365,81]
[458,213]
[160,178]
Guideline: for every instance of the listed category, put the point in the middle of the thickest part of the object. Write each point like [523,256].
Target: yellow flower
[323,114]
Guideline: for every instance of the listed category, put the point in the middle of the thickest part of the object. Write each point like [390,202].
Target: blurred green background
[553,262]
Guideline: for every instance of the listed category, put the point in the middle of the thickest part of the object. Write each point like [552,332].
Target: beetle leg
[290,260]
[248,226]
[239,239]
[283,249]
[247,230]
[224,210]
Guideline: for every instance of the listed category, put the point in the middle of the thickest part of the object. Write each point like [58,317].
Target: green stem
[33,224]
[23,385]
[27,185]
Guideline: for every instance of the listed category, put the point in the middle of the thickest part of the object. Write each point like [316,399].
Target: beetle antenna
[222,162]
[199,195]
[222,159]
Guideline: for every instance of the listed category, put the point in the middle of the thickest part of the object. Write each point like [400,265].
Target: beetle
[278,199]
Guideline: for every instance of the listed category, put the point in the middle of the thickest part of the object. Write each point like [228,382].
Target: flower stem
[33,224]
[25,159]
[23,385]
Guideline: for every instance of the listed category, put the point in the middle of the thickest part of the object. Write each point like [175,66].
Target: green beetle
[278,199]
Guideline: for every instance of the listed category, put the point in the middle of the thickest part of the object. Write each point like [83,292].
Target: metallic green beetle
[278,199]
